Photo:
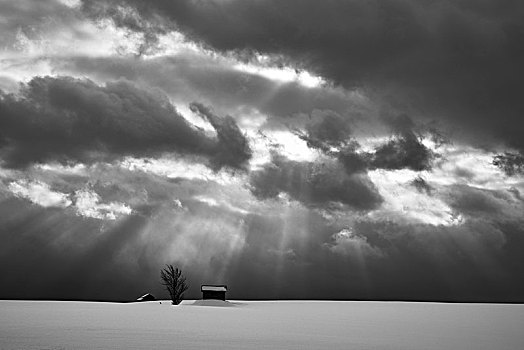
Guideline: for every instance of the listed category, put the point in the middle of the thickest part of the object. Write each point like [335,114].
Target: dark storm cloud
[422,185]
[515,192]
[328,128]
[233,147]
[65,119]
[458,61]
[297,28]
[510,163]
[482,203]
[331,134]
[405,151]
[327,131]
[314,184]
[188,77]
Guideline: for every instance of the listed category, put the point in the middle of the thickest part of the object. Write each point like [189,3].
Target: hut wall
[211,294]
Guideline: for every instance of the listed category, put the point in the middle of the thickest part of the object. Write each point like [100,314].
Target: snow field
[260,325]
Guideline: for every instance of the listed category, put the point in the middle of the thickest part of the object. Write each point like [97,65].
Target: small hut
[217,292]
[146,297]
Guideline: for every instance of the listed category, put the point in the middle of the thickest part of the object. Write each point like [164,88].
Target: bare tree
[174,282]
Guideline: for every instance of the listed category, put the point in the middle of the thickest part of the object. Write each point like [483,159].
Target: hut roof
[146,297]
[213,288]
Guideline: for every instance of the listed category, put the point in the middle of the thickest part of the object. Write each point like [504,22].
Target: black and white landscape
[292,150]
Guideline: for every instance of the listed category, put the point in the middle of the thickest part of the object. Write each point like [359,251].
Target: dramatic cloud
[39,193]
[405,151]
[233,148]
[65,119]
[456,61]
[88,205]
[220,233]
[314,184]
[347,243]
[332,136]
[474,202]
[189,74]
[327,130]
[421,185]
[289,149]
[510,163]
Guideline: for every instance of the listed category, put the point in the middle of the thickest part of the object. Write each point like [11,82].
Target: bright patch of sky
[220,203]
[369,144]
[195,119]
[39,193]
[88,204]
[201,237]
[34,49]
[457,164]
[77,169]
[281,141]
[174,43]
[178,168]
[472,167]
[282,74]
[346,242]
[403,202]
[70,3]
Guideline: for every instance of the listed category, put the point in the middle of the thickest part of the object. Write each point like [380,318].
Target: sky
[294,149]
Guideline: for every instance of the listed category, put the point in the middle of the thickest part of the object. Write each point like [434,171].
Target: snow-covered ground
[260,325]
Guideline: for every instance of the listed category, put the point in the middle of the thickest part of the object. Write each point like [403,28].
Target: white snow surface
[260,325]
